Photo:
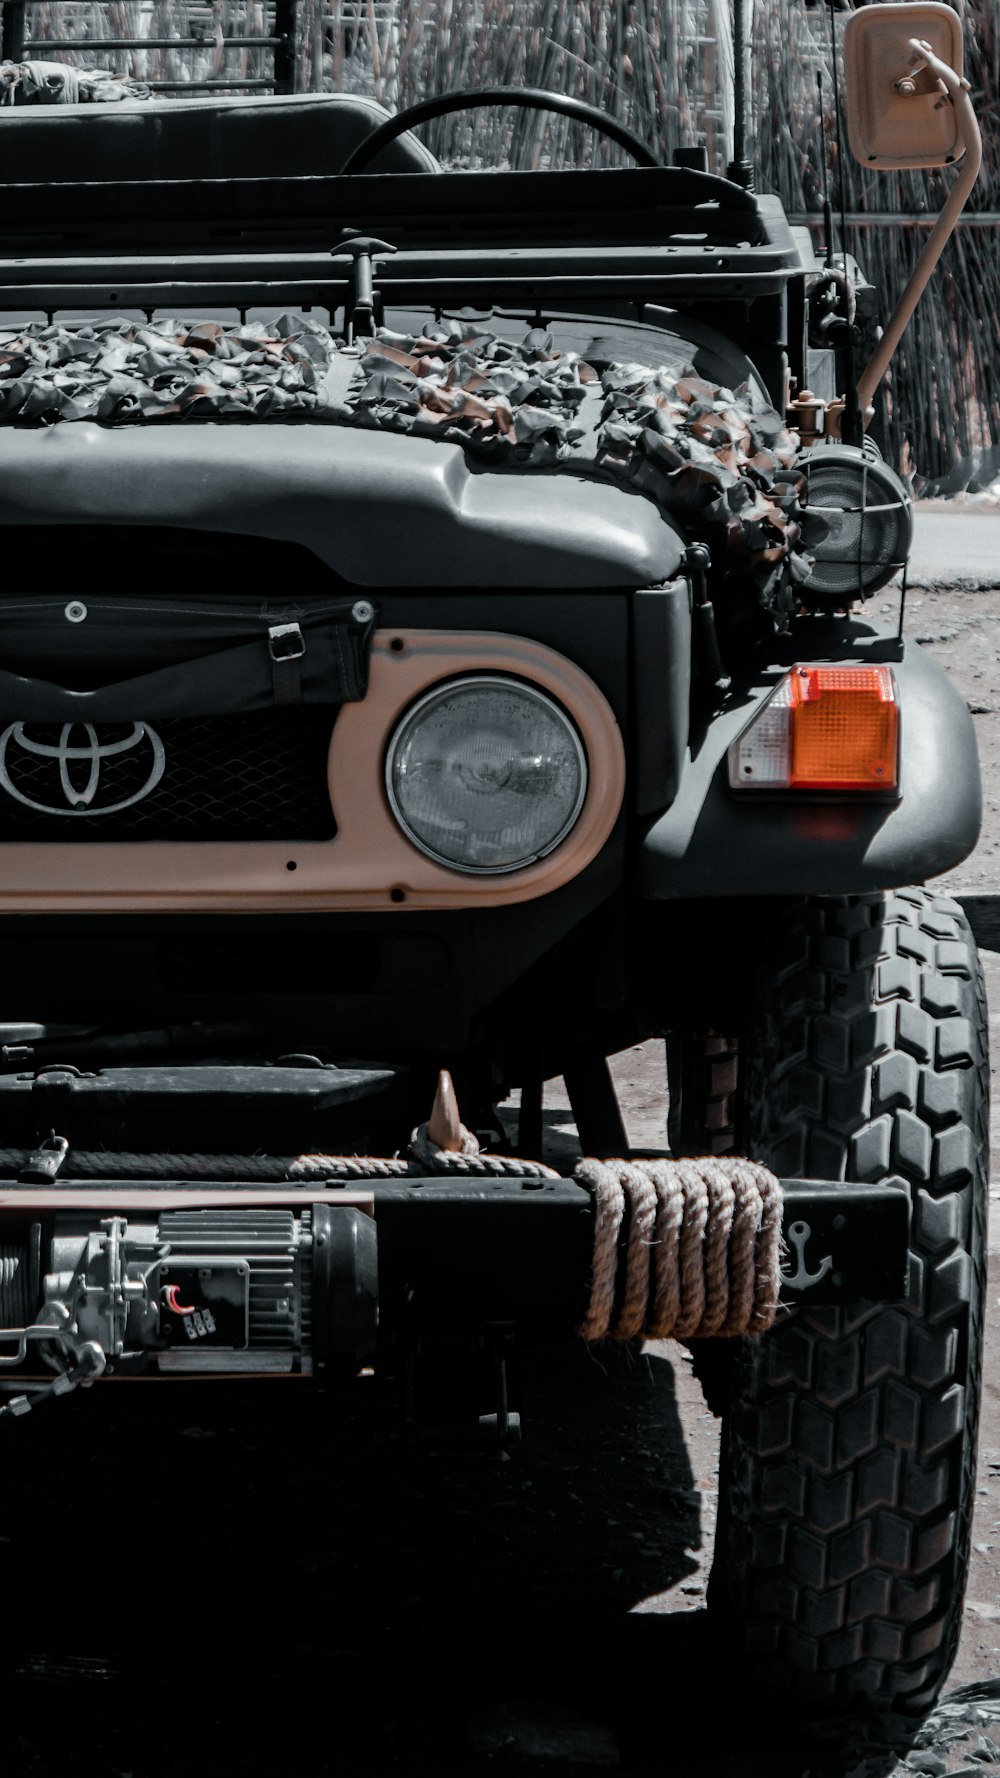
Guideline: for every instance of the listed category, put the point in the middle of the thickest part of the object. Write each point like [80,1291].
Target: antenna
[827,212]
[739,169]
[852,429]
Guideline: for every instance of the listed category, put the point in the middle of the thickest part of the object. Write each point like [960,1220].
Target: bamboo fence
[944,385]
[665,68]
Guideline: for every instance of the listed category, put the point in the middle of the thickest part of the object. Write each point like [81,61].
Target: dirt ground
[264,1583]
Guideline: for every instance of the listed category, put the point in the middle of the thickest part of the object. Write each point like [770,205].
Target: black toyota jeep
[434,658]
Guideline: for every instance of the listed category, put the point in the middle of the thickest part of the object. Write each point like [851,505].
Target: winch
[244,1290]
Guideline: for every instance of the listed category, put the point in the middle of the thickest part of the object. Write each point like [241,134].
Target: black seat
[198,138]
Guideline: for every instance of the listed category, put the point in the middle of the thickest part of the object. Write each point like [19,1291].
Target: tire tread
[869,1063]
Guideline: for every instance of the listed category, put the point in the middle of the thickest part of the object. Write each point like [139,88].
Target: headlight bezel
[435,694]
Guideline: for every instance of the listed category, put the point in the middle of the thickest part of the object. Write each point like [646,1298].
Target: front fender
[712,841]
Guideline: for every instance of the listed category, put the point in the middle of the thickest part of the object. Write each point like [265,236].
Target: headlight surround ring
[495,774]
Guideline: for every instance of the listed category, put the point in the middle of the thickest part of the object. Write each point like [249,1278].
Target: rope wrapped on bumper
[701,1249]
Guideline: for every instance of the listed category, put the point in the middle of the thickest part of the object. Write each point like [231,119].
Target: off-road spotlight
[486,774]
[858,524]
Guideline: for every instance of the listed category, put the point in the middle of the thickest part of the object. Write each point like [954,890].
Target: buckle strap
[287,646]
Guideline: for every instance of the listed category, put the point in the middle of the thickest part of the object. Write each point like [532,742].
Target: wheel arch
[714,842]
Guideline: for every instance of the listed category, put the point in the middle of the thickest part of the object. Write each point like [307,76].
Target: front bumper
[291,1279]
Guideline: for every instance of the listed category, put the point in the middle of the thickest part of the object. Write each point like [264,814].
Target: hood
[380,509]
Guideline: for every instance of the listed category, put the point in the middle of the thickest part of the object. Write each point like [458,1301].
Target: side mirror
[898,113]
[908,105]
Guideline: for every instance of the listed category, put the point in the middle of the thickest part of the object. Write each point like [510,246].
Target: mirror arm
[957,90]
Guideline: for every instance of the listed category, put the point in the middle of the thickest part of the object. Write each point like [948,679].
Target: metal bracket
[846,1240]
[286,641]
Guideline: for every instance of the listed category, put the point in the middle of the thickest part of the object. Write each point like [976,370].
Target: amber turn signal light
[833,728]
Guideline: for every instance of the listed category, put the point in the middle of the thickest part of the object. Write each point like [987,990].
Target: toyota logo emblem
[79,747]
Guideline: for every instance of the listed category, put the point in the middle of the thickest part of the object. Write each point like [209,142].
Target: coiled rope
[81,1163]
[425,1157]
[683,1249]
[469,1159]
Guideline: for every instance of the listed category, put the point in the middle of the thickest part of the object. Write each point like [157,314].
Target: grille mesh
[246,777]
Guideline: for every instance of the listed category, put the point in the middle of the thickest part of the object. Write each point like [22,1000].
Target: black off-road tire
[849,1442]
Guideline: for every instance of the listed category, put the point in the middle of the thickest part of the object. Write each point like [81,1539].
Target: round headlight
[858,524]
[486,774]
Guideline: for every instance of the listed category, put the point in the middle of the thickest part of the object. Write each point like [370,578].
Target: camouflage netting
[718,461]
[57,83]
[721,467]
[119,372]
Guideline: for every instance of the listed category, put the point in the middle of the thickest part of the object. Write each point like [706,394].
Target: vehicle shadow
[263,1577]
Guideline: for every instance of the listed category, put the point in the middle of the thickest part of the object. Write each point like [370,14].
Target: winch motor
[249,1290]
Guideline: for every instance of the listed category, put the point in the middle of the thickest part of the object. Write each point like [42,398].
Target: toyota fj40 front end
[433,660]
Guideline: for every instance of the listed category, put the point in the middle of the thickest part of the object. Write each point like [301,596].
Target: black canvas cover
[112,658]
[199,137]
